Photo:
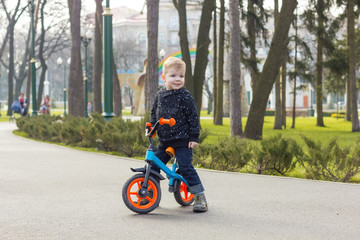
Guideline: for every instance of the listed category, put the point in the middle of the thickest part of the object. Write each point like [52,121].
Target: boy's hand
[193,144]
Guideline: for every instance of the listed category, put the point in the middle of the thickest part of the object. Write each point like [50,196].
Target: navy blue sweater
[180,105]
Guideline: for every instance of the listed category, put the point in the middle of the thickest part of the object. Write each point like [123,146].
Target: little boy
[176,102]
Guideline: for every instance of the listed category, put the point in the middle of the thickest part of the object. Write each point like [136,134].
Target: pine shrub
[230,154]
[275,155]
[330,162]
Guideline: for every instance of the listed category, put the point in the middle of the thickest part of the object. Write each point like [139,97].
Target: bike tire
[132,199]
[183,196]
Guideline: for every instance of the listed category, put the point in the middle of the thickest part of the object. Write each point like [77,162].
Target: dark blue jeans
[187,170]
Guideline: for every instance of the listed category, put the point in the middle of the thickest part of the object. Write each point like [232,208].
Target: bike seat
[170,151]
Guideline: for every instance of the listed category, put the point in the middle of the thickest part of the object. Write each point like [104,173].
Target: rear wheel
[183,196]
[135,201]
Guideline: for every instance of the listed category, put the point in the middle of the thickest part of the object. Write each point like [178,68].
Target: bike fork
[143,191]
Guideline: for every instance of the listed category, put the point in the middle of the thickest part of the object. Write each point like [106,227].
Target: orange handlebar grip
[170,121]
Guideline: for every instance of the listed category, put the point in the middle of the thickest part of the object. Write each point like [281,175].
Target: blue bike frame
[170,174]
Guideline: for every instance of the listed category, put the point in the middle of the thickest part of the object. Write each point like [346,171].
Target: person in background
[45,105]
[23,103]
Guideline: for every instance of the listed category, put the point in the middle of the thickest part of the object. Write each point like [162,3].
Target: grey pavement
[53,192]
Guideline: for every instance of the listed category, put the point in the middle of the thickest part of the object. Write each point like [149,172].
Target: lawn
[334,128]
[303,126]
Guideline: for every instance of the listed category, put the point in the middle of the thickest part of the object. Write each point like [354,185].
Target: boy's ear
[163,77]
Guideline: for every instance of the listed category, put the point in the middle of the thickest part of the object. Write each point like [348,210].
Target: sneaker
[200,204]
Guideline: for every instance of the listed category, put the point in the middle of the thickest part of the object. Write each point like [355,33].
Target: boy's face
[174,78]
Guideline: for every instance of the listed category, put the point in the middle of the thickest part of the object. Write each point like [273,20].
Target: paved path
[53,192]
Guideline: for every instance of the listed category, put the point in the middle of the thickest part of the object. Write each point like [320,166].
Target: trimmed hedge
[274,155]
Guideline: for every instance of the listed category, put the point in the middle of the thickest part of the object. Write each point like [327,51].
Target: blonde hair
[173,62]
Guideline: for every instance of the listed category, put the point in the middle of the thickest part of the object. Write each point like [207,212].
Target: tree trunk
[295,74]
[23,66]
[97,61]
[152,80]
[215,56]
[278,106]
[41,57]
[348,100]
[180,5]
[76,89]
[251,28]
[235,72]
[262,89]
[352,65]
[319,71]
[116,92]
[218,119]
[202,51]
[11,69]
[283,92]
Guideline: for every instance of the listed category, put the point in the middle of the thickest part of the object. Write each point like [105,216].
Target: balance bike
[142,192]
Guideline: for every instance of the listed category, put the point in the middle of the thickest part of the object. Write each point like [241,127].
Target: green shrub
[92,134]
[125,136]
[74,130]
[39,127]
[230,154]
[330,162]
[275,155]
[269,113]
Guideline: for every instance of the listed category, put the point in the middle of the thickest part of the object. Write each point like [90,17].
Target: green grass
[334,128]
[303,126]
[3,117]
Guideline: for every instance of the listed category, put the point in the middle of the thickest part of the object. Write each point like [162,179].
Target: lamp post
[108,63]
[86,39]
[33,61]
[162,53]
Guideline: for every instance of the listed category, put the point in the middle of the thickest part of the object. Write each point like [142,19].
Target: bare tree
[152,81]
[352,64]
[283,91]
[180,5]
[202,51]
[218,118]
[76,93]
[97,66]
[262,89]
[235,72]
[278,106]
[12,17]
[215,49]
[116,92]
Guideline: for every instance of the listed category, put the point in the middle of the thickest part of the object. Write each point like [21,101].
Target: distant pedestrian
[89,108]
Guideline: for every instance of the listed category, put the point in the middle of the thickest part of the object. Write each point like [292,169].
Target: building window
[142,38]
[174,22]
[174,38]
[161,38]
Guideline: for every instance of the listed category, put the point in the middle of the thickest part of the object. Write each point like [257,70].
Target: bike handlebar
[170,121]
[150,131]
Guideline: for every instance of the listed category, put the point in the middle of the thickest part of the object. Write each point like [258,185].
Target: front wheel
[134,201]
[183,196]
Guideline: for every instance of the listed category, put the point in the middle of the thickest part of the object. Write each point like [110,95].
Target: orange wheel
[132,198]
[183,196]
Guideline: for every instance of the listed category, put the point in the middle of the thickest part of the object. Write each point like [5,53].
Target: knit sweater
[180,105]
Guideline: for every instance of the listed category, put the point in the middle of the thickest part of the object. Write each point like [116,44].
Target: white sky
[138,4]
[133,4]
